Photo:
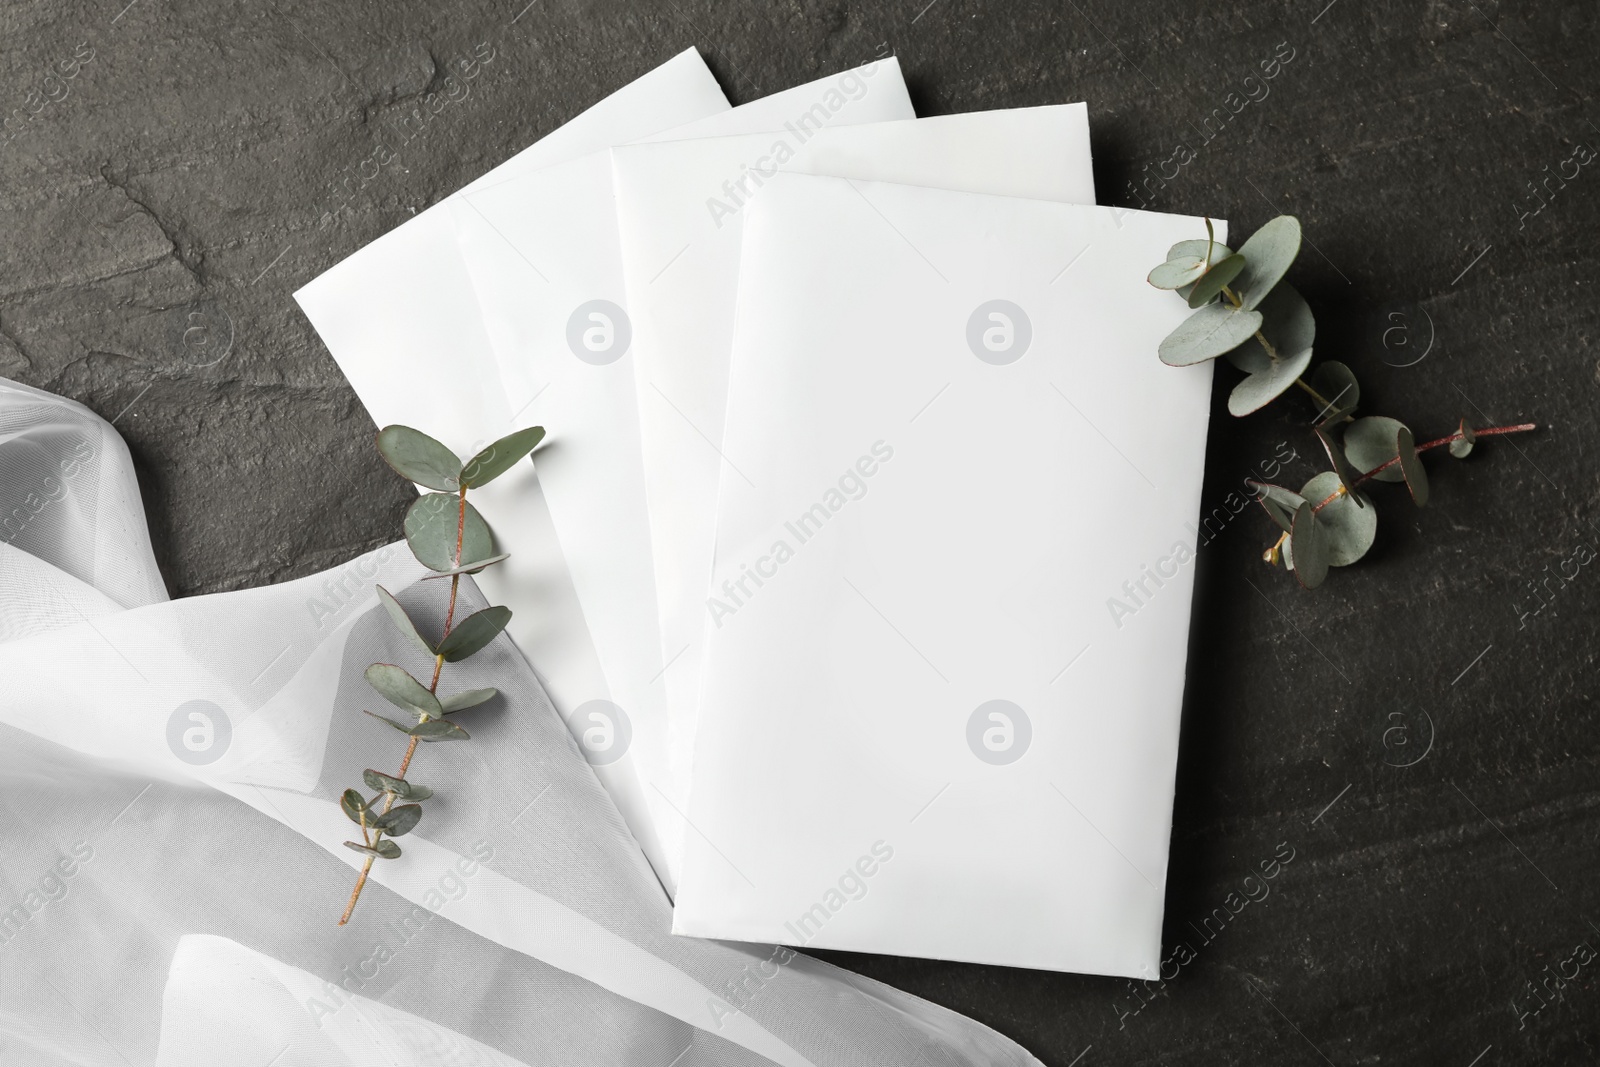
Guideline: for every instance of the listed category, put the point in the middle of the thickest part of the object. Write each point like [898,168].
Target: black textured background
[157,214]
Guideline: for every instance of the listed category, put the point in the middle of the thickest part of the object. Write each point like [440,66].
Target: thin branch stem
[433,687]
[1493,431]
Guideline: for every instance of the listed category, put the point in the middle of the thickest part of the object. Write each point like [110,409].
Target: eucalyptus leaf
[383,849]
[1278,502]
[1268,254]
[402,621]
[402,690]
[1210,332]
[1350,529]
[1461,447]
[1212,282]
[1288,326]
[1267,384]
[469,699]
[474,632]
[1176,273]
[438,730]
[469,568]
[353,804]
[386,783]
[498,458]
[399,821]
[1197,249]
[1308,541]
[419,458]
[1337,385]
[1411,467]
[433,524]
[1369,444]
[1341,468]
[404,728]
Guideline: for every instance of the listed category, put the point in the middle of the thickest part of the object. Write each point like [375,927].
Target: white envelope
[543,252]
[403,321]
[925,730]
[680,206]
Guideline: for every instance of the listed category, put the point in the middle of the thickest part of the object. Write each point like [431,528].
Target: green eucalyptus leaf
[1266,385]
[438,730]
[1337,385]
[1309,544]
[386,783]
[1198,249]
[402,690]
[470,568]
[404,728]
[498,458]
[473,632]
[1175,274]
[1210,332]
[1411,467]
[1349,520]
[1211,283]
[1288,326]
[1461,447]
[1369,444]
[1278,502]
[1341,467]
[1268,254]
[383,849]
[433,524]
[419,458]
[402,621]
[469,699]
[399,821]
[353,804]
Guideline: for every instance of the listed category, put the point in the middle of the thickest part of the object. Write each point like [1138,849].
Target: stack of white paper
[855,424]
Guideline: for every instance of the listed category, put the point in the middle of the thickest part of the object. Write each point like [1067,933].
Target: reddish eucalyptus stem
[1493,431]
[433,687]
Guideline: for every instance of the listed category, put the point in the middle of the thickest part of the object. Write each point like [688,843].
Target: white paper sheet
[924,729]
[680,207]
[543,253]
[403,321]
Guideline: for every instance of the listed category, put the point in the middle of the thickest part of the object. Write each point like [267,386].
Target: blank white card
[949,444]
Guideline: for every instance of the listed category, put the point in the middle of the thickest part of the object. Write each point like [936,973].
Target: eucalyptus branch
[449,537]
[1246,312]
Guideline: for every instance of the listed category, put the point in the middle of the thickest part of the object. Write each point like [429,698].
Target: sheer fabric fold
[172,869]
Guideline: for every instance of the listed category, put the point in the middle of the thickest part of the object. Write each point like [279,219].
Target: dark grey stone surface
[160,209]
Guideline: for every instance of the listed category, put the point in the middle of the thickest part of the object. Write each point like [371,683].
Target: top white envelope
[680,208]
[949,443]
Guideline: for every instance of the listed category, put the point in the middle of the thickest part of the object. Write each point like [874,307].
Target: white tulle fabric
[172,872]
